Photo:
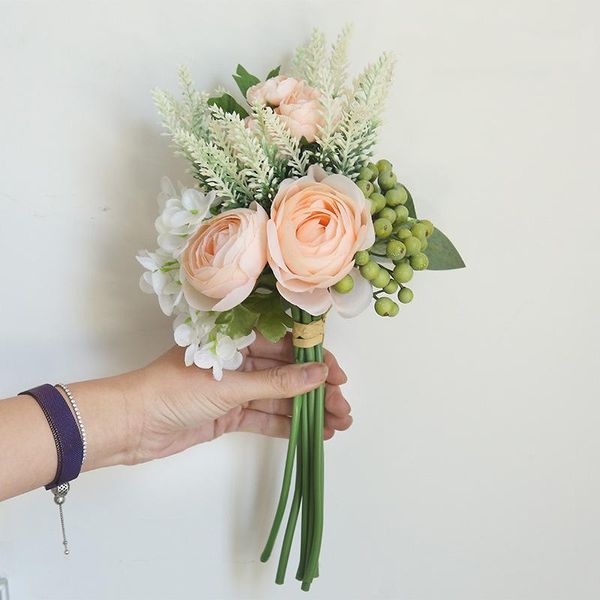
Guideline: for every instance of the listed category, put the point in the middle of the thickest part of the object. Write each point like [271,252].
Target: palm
[186,411]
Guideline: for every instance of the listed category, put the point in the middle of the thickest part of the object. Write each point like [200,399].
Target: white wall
[471,472]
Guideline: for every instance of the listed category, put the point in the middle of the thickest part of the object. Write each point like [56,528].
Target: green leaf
[441,253]
[229,104]
[273,321]
[272,326]
[237,322]
[410,204]
[244,79]
[274,72]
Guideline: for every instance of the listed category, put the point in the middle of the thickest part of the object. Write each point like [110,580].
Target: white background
[471,472]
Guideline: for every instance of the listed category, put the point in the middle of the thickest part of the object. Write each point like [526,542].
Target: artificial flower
[318,223]
[223,259]
[222,353]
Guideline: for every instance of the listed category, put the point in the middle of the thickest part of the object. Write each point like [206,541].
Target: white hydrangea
[181,214]
[193,332]
[161,278]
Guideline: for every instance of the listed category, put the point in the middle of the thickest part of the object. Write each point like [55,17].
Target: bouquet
[290,218]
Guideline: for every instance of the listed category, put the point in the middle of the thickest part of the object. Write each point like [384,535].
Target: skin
[164,408]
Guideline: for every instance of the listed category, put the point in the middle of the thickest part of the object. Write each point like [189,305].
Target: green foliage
[274,72]
[265,311]
[441,253]
[228,104]
[410,204]
[237,322]
[273,321]
[244,79]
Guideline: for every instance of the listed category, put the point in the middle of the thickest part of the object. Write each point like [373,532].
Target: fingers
[239,387]
[254,421]
[335,403]
[336,373]
[283,351]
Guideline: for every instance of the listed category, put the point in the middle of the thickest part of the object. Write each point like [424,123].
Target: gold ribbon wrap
[308,335]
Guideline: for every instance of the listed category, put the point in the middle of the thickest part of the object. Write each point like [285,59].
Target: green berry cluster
[404,239]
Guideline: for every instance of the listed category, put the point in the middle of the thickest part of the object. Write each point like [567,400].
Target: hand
[181,406]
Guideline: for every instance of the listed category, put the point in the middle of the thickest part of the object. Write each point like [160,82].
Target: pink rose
[317,224]
[272,91]
[223,259]
[297,103]
[301,112]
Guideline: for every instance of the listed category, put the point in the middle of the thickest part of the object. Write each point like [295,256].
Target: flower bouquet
[289,219]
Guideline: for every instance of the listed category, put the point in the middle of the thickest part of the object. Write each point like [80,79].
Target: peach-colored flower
[294,100]
[223,259]
[301,112]
[317,224]
[272,91]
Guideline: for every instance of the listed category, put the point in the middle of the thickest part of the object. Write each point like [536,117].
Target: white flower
[222,353]
[180,215]
[191,329]
[161,278]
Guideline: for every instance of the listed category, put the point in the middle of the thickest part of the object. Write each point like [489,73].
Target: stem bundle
[306,446]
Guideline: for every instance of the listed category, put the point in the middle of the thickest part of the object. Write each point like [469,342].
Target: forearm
[28,457]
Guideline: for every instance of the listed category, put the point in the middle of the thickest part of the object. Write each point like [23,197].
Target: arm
[165,408]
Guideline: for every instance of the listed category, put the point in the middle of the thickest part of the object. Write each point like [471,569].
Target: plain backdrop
[471,472]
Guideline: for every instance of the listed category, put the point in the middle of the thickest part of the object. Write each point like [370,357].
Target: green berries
[428,226]
[419,231]
[383,165]
[395,250]
[396,196]
[419,261]
[401,214]
[377,202]
[370,270]
[402,272]
[381,279]
[388,213]
[383,228]
[401,240]
[366,187]
[413,246]
[344,285]
[366,174]
[403,233]
[386,307]
[391,287]
[362,257]
[387,180]
[405,295]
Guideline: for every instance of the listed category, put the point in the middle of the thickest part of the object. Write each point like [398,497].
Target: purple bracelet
[69,445]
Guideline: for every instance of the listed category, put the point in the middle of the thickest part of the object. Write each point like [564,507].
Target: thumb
[278,382]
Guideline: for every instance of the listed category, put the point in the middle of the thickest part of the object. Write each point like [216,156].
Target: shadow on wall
[129,326]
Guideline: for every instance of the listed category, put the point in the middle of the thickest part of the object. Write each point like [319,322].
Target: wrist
[108,411]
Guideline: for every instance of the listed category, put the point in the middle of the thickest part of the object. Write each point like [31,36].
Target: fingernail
[315,373]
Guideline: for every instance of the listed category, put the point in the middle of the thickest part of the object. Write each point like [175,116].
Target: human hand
[175,407]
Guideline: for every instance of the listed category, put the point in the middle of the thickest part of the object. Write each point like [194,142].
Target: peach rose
[301,112]
[272,91]
[296,102]
[317,224]
[223,259]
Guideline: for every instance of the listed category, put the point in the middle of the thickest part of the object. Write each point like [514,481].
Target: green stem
[318,483]
[294,509]
[307,495]
[285,485]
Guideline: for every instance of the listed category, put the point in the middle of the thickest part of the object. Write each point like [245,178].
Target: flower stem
[318,474]
[287,477]
[294,509]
